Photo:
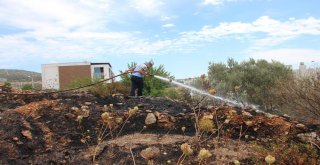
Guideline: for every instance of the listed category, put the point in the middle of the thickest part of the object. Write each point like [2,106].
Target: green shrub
[103,89]
[7,84]
[152,86]
[27,87]
[177,93]
[80,82]
[251,80]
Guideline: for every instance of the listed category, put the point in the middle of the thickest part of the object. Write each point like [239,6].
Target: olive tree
[250,80]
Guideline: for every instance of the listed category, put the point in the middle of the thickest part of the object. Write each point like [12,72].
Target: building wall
[50,77]
[107,71]
[68,74]
[61,75]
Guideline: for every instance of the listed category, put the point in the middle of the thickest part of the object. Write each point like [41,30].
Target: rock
[150,119]
[140,105]
[84,107]
[166,121]
[85,113]
[245,113]
[74,109]
[232,112]
[87,103]
[227,121]
[26,125]
[157,114]
[309,137]
[149,111]
[300,126]
[27,134]
[70,116]
[270,115]
[286,116]
[15,139]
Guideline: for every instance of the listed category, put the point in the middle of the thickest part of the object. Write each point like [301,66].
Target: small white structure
[61,75]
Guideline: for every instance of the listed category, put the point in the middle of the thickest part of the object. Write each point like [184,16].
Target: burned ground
[68,129]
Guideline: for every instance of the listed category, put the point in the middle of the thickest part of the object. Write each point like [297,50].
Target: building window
[98,73]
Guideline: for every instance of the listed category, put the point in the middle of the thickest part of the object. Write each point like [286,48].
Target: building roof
[75,63]
[101,64]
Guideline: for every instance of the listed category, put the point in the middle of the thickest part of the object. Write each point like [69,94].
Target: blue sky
[183,35]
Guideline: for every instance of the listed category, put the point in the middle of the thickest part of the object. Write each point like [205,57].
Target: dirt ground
[69,129]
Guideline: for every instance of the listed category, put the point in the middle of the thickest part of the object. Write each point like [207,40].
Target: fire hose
[66,90]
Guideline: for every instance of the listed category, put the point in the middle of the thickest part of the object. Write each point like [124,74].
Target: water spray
[235,103]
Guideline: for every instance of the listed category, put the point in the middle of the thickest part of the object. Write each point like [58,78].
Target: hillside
[19,75]
[79,128]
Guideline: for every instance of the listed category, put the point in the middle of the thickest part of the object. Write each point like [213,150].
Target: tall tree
[250,80]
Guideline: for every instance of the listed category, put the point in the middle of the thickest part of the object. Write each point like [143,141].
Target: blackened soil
[62,128]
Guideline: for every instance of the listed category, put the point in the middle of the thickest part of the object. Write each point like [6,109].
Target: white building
[303,71]
[61,75]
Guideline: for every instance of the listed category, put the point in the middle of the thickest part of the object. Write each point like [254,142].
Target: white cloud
[38,14]
[149,8]
[266,32]
[169,25]
[64,29]
[166,18]
[59,41]
[288,56]
[216,2]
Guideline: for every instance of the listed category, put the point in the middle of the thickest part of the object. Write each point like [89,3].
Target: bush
[80,82]
[152,86]
[103,89]
[27,87]
[299,97]
[7,84]
[249,80]
[177,93]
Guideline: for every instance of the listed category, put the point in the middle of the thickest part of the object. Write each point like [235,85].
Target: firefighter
[137,74]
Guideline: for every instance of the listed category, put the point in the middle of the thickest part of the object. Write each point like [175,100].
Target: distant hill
[19,75]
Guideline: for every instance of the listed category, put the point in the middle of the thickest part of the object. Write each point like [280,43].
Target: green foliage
[80,82]
[27,87]
[249,80]
[7,84]
[152,86]
[177,93]
[202,83]
[103,89]
[100,89]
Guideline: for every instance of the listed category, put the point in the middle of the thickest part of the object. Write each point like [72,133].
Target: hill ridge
[19,75]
